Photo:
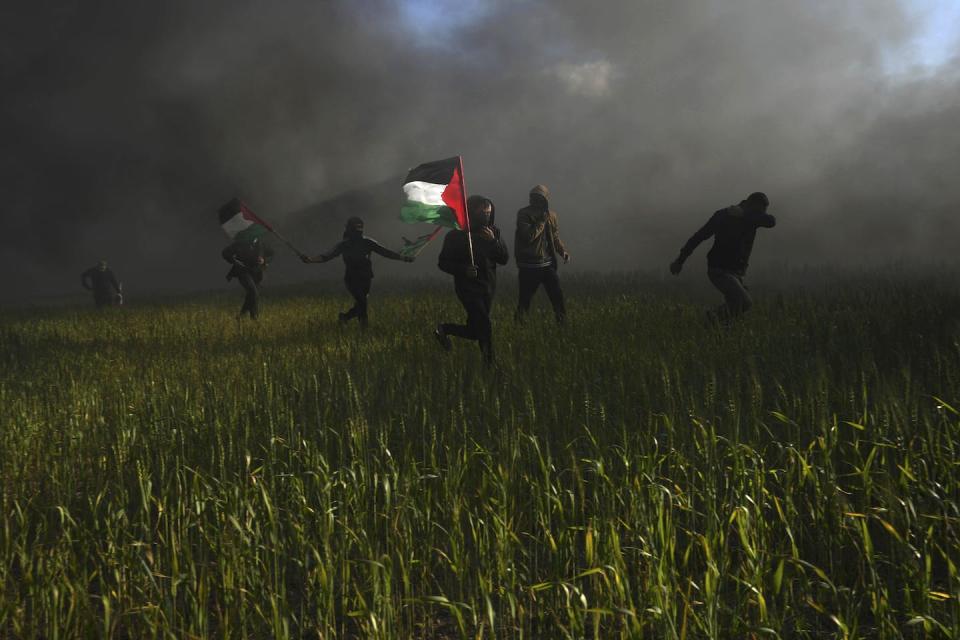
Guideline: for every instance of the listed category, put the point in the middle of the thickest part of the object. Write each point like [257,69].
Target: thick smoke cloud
[126,124]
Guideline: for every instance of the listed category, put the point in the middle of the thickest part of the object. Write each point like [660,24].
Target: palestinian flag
[434,193]
[412,248]
[240,223]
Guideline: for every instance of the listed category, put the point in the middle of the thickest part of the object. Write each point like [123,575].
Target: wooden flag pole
[466,212]
[287,242]
[433,234]
[425,239]
[244,210]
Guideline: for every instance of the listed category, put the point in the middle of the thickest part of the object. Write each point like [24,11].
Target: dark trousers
[730,284]
[478,327]
[251,302]
[530,281]
[359,288]
[104,298]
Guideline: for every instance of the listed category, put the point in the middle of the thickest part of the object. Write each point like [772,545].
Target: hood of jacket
[542,191]
[475,201]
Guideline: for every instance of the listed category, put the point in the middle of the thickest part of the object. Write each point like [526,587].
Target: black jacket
[356,256]
[733,231]
[244,256]
[487,254]
[102,283]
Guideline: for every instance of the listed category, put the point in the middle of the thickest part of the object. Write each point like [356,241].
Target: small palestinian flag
[240,223]
[433,193]
[412,248]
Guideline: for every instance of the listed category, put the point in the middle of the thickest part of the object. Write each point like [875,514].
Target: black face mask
[354,234]
[478,220]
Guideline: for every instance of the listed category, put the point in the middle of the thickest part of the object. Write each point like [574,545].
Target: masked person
[249,259]
[733,229]
[356,249]
[106,289]
[537,248]
[474,282]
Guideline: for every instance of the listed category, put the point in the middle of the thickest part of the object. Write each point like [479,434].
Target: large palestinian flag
[434,193]
[240,223]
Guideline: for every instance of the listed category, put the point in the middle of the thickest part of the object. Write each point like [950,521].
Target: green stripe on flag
[413,212]
[251,233]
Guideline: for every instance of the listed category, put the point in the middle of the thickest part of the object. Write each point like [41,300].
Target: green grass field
[167,473]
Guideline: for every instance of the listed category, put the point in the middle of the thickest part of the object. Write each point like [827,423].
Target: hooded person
[248,259]
[537,249]
[733,229]
[99,279]
[356,249]
[474,282]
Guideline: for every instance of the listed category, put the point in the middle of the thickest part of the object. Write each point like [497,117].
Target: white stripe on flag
[235,225]
[424,192]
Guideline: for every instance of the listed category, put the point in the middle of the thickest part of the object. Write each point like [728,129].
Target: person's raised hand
[486,233]
[408,258]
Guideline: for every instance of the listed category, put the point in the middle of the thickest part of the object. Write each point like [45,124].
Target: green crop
[640,473]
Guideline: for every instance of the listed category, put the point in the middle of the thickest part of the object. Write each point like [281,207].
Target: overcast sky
[125,125]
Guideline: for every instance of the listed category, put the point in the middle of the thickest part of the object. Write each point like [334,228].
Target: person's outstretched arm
[764,220]
[702,234]
[379,249]
[323,257]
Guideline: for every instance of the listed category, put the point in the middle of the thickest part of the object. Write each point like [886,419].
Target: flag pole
[286,242]
[466,212]
[267,225]
[424,240]
[433,234]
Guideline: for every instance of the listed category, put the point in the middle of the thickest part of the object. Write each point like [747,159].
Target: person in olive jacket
[248,259]
[356,249]
[475,281]
[733,230]
[537,248]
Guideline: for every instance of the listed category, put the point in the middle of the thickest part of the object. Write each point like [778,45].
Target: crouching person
[733,230]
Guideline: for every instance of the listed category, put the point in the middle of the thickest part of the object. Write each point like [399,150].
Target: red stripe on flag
[453,197]
[252,217]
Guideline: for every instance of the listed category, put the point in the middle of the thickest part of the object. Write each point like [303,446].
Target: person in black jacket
[474,282]
[733,229]
[356,249]
[106,289]
[248,259]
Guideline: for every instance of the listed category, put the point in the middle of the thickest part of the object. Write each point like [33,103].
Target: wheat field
[639,473]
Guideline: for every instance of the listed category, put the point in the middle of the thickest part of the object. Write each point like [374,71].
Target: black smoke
[126,124]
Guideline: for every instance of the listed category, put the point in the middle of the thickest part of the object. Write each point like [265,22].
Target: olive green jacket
[537,242]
